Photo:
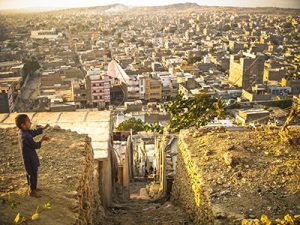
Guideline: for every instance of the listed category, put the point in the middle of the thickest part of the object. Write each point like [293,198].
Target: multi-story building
[246,71]
[235,46]
[45,34]
[98,90]
[294,84]
[156,66]
[274,74]
[133,89]
[169,86]
[150,88]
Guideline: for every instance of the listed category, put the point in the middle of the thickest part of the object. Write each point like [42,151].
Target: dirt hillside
[239,174]
[65,177]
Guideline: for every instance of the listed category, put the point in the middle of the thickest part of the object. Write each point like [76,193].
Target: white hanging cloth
[115,70]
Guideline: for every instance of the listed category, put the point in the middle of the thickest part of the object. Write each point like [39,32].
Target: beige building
[246,71]
[256,116]
[274,74]
[150,88]
[45,34]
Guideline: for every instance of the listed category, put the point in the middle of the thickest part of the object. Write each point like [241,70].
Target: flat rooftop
[9,80]
[254,111]
[10,63]
[96,124]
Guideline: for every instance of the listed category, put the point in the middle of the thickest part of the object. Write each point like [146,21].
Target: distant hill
[194,7]
[117,9]
[107,9]
[165,9]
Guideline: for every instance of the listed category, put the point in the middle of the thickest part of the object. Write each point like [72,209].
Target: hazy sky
[6,4]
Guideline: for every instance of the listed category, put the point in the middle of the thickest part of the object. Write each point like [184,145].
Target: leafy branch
[20,219]
[194,112]
[154,127]
[287,220]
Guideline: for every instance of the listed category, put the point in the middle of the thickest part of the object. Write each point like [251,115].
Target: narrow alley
[142,210]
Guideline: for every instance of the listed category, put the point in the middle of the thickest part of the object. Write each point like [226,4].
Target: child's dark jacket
[28,146]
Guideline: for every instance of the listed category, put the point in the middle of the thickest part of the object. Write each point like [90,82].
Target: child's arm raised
[28,141]
[38,131]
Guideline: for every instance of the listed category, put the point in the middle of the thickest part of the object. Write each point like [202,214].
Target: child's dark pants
[32,174]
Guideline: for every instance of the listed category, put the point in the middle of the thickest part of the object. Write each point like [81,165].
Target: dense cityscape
[60,63]
[152,73]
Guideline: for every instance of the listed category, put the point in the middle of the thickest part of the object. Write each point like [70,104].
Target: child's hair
[21,119]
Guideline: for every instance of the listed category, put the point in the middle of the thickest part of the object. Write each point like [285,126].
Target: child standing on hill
[28,148]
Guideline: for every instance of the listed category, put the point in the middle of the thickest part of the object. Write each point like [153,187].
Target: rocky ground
[143,210]
[65,161]
[244,174]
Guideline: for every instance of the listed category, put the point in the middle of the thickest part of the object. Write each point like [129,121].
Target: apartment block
[98,90]
[150,88]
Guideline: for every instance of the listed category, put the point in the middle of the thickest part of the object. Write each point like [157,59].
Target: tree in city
[120,41]
[193,112]
[31,64]
[193,59]
[135,124]
[154,127]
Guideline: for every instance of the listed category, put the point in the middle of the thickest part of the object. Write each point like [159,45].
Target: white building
[46,34]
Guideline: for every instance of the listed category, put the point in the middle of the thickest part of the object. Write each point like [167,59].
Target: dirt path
[141,210]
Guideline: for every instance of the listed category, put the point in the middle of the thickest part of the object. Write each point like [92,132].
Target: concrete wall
[103,171]
[91,210]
